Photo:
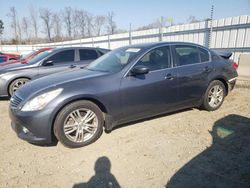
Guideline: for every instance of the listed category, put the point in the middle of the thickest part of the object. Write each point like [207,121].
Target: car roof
[73,48]
[156,44]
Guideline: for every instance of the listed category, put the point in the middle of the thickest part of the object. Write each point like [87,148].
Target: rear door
[194,68]
[86,56]
[61,61]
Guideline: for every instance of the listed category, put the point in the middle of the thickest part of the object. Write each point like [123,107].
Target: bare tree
[25,27]
[75,23]
[82,21]
[99,23]
[67,14]
[89,24]
[192,19]
[1,30]
[46,16]
[13,15]
[111,25]
[57,25]
[34,20]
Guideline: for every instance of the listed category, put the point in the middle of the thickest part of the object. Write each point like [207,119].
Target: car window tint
[156,59]
[88,54]
[204,55]
[187,55]
[62,57]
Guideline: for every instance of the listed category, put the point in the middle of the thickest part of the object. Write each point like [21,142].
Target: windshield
[39,57]
[115,60]
[27,55]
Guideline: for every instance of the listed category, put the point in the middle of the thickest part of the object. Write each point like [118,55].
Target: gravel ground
[191,148]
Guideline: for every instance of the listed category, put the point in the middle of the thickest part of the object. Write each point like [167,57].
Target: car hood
[56,80]
[10,62]
[13,66]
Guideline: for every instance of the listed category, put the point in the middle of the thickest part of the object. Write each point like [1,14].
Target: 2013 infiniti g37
[124,85]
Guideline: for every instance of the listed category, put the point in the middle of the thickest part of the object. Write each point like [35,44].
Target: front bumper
[34,127]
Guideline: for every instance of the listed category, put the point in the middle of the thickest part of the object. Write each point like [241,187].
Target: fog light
[25,130]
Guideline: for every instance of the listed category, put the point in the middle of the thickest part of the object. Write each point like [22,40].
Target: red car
[25,58]
[8,57]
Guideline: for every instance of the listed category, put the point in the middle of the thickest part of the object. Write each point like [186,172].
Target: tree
[46,16]
[25,26]
[57,25]
[82,21]
[99,23]
[34,20]
[13,15]
[67,14]
[192,19]
[89,20]
[1,30]
[111,25]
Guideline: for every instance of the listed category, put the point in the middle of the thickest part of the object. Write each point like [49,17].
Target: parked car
[14,76]
[124,85]
[9,57]
[26,58]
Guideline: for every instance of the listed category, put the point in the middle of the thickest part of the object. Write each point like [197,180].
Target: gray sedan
[13,76]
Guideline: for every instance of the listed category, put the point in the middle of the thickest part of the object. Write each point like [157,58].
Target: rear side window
[88,54]
[157,59]
[204,55]
[187,55]
[62,57]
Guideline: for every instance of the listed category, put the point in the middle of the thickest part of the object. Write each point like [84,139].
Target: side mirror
[140,69]
[47,63]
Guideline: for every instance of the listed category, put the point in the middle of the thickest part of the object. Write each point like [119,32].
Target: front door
[152,93]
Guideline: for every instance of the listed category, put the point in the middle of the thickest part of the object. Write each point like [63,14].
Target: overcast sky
[137,12]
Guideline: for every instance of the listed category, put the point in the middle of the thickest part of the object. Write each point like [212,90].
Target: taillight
[235,65]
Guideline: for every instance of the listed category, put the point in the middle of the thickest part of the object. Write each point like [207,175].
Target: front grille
[15,101]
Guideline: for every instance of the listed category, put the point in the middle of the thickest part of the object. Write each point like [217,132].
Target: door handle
[169,77]
[207,69]
[72,66]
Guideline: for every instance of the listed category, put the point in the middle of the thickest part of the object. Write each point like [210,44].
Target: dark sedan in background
[124,85]
[14,76]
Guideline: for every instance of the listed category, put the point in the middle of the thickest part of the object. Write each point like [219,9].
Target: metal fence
[232,33]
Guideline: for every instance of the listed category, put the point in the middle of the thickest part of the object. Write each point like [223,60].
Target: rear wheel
[79,124]
[214,95]
[16,84]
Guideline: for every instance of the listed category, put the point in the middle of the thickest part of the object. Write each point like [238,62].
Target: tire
[210,104]
[16,84]
[70,128]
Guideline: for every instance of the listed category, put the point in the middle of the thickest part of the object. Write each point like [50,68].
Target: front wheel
[79,124]
[214,95]
[16,84]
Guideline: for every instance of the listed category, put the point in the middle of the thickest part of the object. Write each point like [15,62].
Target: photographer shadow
[103,176]
[226,163]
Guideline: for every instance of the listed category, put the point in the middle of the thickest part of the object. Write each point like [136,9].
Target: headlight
[39,102]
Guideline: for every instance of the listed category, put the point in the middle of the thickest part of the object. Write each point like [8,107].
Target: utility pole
[130,34]
[211,27]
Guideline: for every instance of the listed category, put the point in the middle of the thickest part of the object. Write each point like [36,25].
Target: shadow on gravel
[103,176]
[226,163]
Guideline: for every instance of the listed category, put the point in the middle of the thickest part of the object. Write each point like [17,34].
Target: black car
[14,76]
[126,84]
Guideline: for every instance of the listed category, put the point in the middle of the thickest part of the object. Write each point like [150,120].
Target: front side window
[88,54]
[187,55]
[62,57]
[156,59]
